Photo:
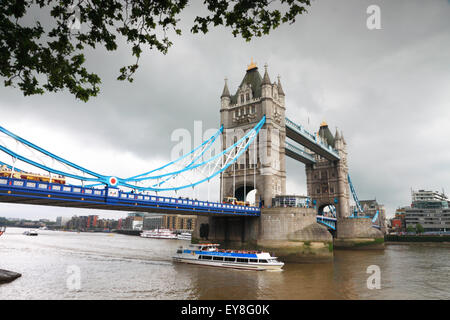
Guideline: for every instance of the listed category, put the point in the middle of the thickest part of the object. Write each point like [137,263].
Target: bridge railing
[116,194]
[330,222]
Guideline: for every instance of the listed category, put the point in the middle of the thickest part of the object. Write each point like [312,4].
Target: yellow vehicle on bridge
[232,200]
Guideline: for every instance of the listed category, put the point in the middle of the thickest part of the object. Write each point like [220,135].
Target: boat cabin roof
[212,245]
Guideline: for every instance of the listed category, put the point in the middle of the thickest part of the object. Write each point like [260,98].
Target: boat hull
[157,237]
[232,265]
[184,238]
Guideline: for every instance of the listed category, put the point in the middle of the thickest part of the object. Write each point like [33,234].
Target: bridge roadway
[52,194]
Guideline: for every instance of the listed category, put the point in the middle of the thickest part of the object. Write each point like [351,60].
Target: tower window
[253,109]
[247,97]
[242,98]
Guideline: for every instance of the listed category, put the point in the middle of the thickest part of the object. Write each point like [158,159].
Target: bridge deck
[306,139]
[298,154]
[51,194]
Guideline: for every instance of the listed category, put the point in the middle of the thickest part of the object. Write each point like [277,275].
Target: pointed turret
[338,143]
[266,86]
[225,98]
[325,134]
[252,80]
[266,79]
[280,88]
[337,136]
[226,92]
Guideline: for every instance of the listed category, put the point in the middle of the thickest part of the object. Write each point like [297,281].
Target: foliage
[417,238]
[39,58]
[330,246]
[419,228]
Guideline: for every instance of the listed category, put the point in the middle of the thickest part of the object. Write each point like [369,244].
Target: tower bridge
[255,159]
[323,154]
[263,168]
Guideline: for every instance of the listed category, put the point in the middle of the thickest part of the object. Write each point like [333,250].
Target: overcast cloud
[388,90]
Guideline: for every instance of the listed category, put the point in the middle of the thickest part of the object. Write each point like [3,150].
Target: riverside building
[429,209]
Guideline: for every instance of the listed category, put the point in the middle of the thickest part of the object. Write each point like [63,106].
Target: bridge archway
[242,192]
[326,209]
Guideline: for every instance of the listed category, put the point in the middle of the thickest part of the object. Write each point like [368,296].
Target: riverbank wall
[417,238]
[128,232]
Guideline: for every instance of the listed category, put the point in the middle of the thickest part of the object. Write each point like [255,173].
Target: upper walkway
[302,136]
[299,154]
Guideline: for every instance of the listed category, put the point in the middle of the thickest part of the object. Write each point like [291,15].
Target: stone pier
[292,234]
[357,233]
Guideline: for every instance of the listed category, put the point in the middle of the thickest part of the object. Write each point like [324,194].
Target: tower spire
[342,137]
[266,79]
[226,92]
[337,136]
[280,88]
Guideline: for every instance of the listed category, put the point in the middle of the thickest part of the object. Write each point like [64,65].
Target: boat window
[179,251]
[262,261]
[218,258]
[230,259]
[253,260]
[206,257]
[242,260]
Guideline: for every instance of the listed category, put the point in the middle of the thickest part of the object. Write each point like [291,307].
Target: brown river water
[113,266]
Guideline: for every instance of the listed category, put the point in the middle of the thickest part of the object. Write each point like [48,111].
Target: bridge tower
[263,165]
[327,181]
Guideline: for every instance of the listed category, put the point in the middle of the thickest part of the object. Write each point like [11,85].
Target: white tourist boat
[208,254]
[30,233]
[184,236]
[159,234]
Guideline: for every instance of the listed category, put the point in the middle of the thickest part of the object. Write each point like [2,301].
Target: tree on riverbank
[419,228]
[42,42]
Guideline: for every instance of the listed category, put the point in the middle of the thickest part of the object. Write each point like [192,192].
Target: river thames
[113,266]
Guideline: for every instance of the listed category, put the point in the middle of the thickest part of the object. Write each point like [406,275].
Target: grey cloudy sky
[388,90]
